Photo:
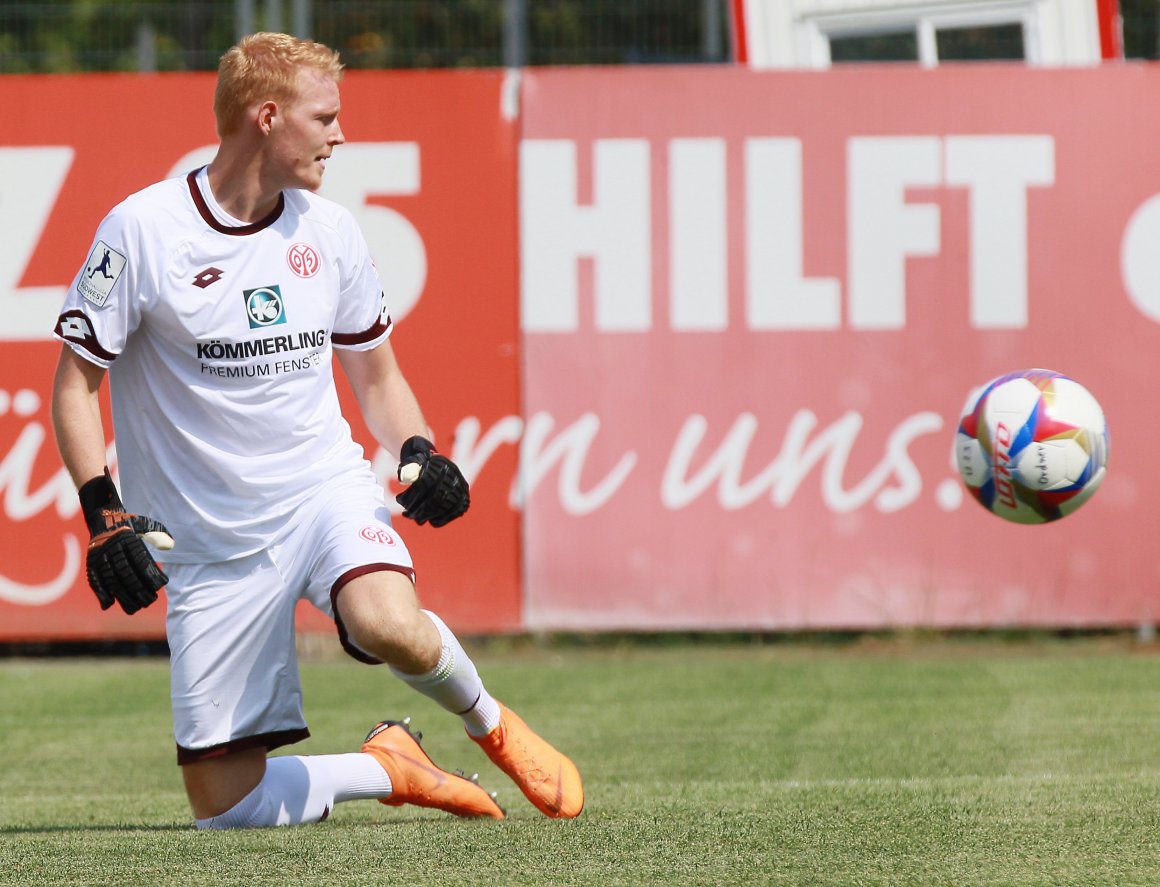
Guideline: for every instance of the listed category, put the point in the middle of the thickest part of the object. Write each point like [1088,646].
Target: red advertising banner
[429,171]
[716,384]
[753,305]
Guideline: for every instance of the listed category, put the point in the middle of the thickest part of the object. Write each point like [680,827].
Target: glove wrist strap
[416,446]
[97,495]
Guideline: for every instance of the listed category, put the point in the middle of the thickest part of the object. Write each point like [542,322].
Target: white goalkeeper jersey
[218,336]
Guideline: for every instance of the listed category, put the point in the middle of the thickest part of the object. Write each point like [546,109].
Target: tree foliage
[57,36]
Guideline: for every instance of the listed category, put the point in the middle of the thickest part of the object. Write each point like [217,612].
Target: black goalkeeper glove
[439,494]
[120,567]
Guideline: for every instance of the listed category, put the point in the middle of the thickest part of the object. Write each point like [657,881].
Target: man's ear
[267,113]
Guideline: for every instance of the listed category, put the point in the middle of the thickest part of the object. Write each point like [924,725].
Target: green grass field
[941,762]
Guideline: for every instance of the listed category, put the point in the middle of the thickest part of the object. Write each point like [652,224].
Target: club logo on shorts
[264,306]
[101,272]
[303,260]
[377,534]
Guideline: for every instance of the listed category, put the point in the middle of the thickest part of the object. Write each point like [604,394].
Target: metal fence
[154,35]
[175,35]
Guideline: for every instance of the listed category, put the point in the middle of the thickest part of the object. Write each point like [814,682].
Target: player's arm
[385,398]
[76,415]
[120,567]
[437,490]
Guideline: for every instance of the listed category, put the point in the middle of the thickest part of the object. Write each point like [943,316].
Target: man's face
[307,133]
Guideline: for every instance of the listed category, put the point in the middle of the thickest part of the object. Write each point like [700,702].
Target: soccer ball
[1032,446]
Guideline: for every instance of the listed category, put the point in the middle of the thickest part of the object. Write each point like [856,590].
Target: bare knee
[218,784]
[380,612]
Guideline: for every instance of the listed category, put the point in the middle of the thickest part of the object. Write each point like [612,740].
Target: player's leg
[236,694]
[546,777]
[216,785]
[364,578]
[245,790]
[379,614]
[298,789]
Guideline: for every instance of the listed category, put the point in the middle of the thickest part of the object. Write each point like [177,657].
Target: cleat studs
[474,778]
[406,725]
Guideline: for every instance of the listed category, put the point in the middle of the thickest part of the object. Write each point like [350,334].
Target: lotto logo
[264,306]
[377,534]
[207,277]
[75,326]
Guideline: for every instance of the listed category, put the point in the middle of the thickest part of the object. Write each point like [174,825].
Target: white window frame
[797,33]
[925,21]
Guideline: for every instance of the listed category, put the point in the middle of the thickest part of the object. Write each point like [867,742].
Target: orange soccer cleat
[416,779]
[547,778]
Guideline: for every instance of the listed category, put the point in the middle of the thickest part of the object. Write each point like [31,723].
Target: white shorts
[234,677]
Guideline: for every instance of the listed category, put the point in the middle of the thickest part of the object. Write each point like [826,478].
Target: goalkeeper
[221,300]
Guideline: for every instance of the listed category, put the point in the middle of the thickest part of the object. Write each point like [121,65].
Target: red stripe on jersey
[73,326]
[369,335]
[204,211]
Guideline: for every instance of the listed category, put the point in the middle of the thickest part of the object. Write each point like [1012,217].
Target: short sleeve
[101,308]
[363,319]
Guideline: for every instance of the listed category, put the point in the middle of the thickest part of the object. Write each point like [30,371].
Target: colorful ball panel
[1032,446]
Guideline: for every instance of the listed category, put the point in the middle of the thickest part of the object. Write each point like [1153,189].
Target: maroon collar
[211,220]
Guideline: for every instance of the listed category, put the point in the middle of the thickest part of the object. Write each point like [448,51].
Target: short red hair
[265,66]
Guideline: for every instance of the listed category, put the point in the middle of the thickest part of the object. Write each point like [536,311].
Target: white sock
[298,789]
[455,684]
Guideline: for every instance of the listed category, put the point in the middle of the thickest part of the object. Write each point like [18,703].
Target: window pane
[977,44]
[897,47]
[1141,28]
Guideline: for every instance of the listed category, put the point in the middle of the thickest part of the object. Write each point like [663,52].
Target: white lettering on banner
[724,464]
[998,170]
[33,179]
[1140,259]
[698,249]
[360,171]
[15,475]
[778,295]
[895,482]
[892,484]
[570,449]
[38,595]
[471,452]
[538,456]
[556,230]
[615,231]
[884,229]
[784,475]
[21,503]
[195,159]
[357,173]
